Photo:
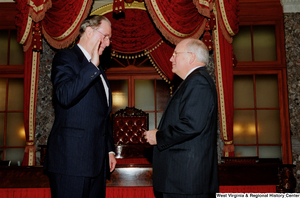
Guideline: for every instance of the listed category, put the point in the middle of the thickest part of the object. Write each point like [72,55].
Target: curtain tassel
[207,37]
[212,21]
[118,6]
[37,37]
[29,157]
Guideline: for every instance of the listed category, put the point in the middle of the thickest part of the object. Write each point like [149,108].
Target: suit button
[95,73]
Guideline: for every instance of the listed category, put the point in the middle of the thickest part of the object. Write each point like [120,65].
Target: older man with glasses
[185,162]
[80,145]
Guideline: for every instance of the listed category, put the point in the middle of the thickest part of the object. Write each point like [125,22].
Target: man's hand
[150,136]
[95,56]
[112,162]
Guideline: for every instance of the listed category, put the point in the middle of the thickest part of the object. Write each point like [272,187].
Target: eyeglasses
[177,53]
[106,37]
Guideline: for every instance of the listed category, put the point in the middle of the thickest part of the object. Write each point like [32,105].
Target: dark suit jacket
[81,136]
[185,157]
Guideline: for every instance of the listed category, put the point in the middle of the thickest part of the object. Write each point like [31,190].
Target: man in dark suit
[185,160]
[80,145]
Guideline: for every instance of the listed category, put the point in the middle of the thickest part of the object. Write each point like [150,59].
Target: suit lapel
[109,91]
[79,54]
[99,84]
[167,106]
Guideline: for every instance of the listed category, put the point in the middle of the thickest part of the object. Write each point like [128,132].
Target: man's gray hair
[199,49]
[92,21]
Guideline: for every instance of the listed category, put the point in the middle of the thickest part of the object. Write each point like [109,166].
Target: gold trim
[145,53]
[74,25]
[30,157]
[109,8]
[35,8]
[228,142]
[140,5]
[157,69]
[29,143]
[220,81]
[204,2]
[226,23]
[27,30]
[32,95]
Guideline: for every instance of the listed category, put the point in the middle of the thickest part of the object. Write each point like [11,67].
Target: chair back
[129,125]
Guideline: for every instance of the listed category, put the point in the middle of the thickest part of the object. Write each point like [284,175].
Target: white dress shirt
[192,71]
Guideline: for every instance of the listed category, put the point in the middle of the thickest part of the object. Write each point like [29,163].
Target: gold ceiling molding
[109,8]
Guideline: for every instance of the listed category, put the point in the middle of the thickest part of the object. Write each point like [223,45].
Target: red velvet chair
[128,127]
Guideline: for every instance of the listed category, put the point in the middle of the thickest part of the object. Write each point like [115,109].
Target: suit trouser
[63,186]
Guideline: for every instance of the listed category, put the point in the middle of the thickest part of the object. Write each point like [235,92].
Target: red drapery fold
[62,22]
[38,8]
[60,27]
[30,92]
[224,80]
[204,7]
[136,34]
[228,17]
[227,26]
[179,19]
[224,61]
[24,24]
[162,58]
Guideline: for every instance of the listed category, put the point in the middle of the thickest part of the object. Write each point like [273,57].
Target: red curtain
[133,33]
[136,34]
[30,91]
[228,17]
[227,26]
[179,19]
[224,79]
[162,58]
[58,21]
[62,22]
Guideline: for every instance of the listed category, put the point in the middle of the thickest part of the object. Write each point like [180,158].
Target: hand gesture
[150,136]
[96,52]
